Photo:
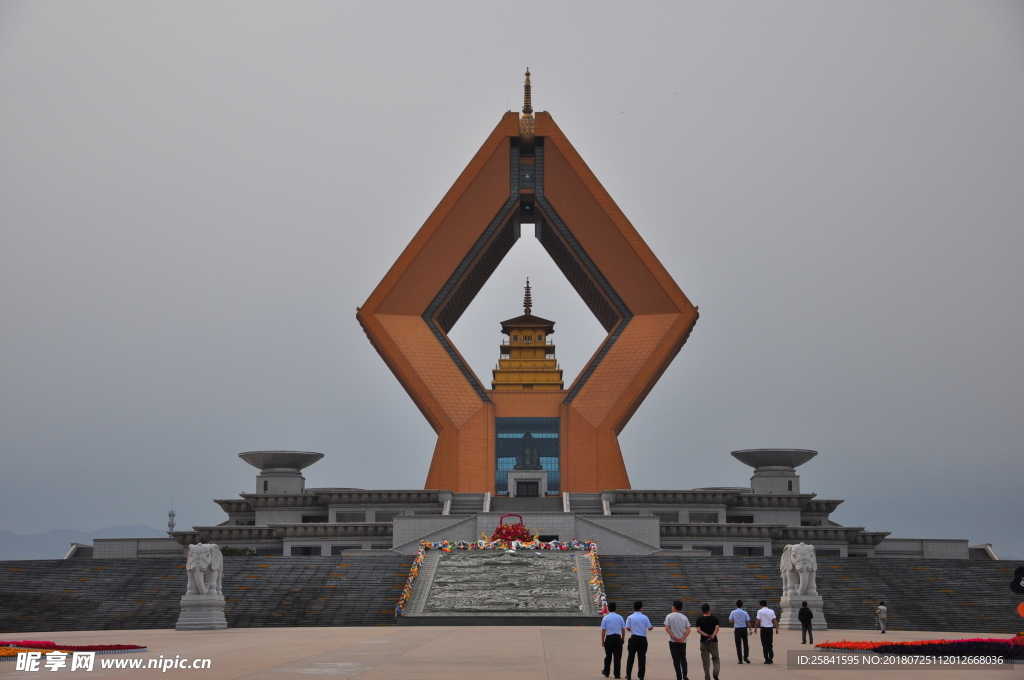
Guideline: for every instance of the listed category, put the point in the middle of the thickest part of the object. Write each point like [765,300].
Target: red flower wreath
[511,532]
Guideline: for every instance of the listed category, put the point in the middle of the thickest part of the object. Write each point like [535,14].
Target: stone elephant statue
[799,570]
[205,567]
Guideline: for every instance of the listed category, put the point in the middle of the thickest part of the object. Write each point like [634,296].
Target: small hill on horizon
[53,545]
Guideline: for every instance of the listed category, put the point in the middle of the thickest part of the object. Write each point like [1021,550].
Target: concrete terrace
[452,653]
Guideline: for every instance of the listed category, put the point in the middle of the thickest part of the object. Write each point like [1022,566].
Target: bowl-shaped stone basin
[293,460]
[756,458]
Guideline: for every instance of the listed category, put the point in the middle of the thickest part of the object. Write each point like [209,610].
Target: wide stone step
[942,595]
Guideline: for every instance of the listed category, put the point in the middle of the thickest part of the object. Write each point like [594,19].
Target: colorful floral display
[9,648]
[1008,648]
[511,532]
[589,548]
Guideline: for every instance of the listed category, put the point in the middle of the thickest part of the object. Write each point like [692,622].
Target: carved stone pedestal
[791,604]
[201,612]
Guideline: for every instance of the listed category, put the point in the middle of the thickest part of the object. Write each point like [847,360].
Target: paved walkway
[449,653]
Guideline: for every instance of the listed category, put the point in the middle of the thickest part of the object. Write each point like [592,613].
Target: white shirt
[739,618]
[765,616]
[677,623]
[881,611]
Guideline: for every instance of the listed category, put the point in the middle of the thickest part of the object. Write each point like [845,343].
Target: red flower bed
[1012,648]
[46,644]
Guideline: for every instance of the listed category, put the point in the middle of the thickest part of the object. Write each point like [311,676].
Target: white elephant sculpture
[799,570]
[205,567]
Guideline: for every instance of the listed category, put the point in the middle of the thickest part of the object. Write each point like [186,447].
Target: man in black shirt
[708,627]
[805,615]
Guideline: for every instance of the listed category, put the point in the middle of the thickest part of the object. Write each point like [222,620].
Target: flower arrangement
[9,649]
[589,548]
[1012,648]
[511,532]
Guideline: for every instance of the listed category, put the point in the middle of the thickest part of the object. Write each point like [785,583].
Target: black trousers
[613,650]
[742,645]
[766,643]
[678,652]
[805,632]
[637,647]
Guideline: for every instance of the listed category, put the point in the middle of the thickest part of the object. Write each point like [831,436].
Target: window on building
[381,547]
[269,552]
[305,551]
[810,522]
[713,549]
[314,519]
[748,551]
[739,519]
[350,516]
[245,522]
[671,547]
[265,486]
[386,515]
[667,516]
[858,554]
[791,485]
[703,518]
[513,450]
[515,338]
[338,549]
[827,553]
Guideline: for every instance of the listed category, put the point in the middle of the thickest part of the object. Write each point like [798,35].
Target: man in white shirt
[740,620]
[612,630]
[638,625]
[881,612]
[769,626]
[678,628]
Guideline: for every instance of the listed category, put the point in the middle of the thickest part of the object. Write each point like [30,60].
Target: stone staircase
[467,503]
[492,588]
[940,595]
[354,589]
[586,503]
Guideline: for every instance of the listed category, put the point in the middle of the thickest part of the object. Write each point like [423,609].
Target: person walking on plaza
[740,620]
[708,627]
[678,628]
[880,613]
[768,625]
[804,616]
[638,625]
[612,630]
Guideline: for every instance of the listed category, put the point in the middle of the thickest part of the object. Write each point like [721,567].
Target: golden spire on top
[526,138]
[527,101]
[527,300]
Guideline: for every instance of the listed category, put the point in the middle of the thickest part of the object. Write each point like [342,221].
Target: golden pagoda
[528,356]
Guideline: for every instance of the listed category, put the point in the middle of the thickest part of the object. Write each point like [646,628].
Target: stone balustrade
[696,497]
[349,531]
[774,501]
[234,505]
[360,497]
[747,532]
[267,501]
[821,506]
[869,538]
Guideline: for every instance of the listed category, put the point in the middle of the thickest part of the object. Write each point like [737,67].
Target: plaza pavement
[450,653]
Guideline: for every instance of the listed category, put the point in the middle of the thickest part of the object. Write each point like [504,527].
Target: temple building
[530,444]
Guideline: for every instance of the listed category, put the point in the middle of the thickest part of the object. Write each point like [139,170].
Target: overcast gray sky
[195,197]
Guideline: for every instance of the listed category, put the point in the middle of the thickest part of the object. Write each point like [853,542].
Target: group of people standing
[677,625]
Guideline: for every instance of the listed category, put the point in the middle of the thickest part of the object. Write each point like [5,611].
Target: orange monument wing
[527,172]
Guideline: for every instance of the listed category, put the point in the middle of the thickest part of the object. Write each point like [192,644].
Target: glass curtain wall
[526,444]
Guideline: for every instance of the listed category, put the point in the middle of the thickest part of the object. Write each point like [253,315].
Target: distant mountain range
[53,545]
